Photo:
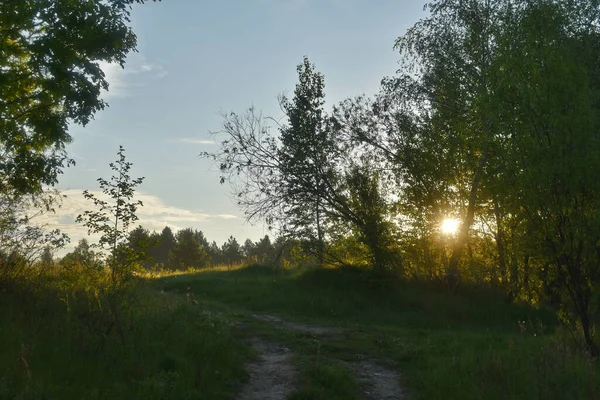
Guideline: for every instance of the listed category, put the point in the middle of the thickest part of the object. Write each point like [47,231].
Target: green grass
[347,297]
[326,381]
[473,345]
[171,349]
[179,340]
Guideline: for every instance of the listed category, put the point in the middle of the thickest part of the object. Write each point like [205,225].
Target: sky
[198,58]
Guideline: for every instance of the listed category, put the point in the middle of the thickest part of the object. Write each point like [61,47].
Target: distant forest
[185,249]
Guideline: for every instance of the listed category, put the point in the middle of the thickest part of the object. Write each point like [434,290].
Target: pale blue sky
[198,57]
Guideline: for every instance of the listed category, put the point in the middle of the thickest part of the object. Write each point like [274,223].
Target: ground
[338,334]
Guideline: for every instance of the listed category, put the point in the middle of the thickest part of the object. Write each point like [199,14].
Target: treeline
[185,249]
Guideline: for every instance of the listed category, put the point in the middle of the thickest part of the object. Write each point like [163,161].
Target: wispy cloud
[194,141]
[120,80]
[154,215]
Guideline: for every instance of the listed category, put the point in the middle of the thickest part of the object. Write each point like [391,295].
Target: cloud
[122,81]
[194,141]
[154,215]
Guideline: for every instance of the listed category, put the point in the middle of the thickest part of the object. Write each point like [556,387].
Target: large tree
[50,77]
[451,51]
[548,95]
[300,181]
[306,156]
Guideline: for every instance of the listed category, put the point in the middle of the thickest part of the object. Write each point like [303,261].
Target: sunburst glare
[450,226]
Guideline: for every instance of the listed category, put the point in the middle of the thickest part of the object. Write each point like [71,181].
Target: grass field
[186,336]
[169,349]
[472,345]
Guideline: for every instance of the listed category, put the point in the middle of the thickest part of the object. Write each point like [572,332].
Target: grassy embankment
[473,345]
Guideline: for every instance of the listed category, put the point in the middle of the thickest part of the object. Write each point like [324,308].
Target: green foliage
[114,217]
[371,210]
[307,149]
[327,381]
[188,251]
[49,77]
[556,119]
[23,240]
[144,244]
[165,244]
[231,251]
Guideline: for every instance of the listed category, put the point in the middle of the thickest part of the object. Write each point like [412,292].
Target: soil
[272,377]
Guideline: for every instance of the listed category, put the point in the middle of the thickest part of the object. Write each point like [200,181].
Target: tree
[114,216]
[372,226]
[247,160]
[232,251]
[50,77]
[298,183]
[83,256]
[166,243]
[47,259]
[307,149]
[144,244]
[248,249]
[264,249]
[188,251]
[452,50]
[548,90]
[214,253]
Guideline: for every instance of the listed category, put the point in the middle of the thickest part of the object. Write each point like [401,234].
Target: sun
[450,226]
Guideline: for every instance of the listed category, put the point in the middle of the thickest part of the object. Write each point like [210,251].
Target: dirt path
[315,330]
[380,382]
[272,377]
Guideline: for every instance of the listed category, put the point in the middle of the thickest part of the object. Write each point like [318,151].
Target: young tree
[249,250]
[83,257]
[47,259]
[372,225]
[264,249]
[452,50]
[116,211]
[214,253]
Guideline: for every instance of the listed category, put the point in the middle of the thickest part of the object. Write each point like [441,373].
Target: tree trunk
[453,274]
[500,245]
[320,248]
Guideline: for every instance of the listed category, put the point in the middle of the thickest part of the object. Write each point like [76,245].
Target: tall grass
[59,343]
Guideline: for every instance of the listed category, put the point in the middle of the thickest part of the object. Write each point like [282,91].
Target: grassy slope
[447,347]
